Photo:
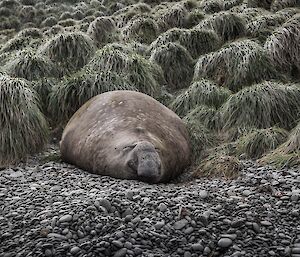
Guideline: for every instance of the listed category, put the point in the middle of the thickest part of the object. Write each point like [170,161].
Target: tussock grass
[282,4]
[236,65]
[23,128]
[145,75]
[19,42]
[197,42]
[73,91]
[284,48]
[264,4]
[203,92]
[201,137]
[102,30]
[70,50]
[174,16]
[209,117]
[141,29]
[31,66]
[227,25]
[262,26]
[261,141]
[261,106]
[212,6]
[176,63]
[218,165]
[287,154]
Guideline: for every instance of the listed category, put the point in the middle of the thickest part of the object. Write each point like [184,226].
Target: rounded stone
[225,242]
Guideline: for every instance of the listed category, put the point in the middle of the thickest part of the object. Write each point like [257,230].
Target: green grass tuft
[196,41]
[201,137]
[236,65]
[31,66]
[284,48]
[286,155]
[141,29]
[103,31]
[70,50]
[203,92]
[227,25]
[205,115]
[176,63]
[23,127]
[73,91]
[261,141]
[143,74]
[261,106]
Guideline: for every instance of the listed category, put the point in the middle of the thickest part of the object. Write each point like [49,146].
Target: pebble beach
[54,209]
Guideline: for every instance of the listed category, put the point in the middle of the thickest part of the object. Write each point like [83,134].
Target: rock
[197,247]
[117,243]
[225,242]
[162,207]
[74,250]
[48,253]
[65,218]
[203,194]
[120,253]
[180,224]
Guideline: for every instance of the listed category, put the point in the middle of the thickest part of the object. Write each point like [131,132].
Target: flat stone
[65,218]
[225,242]
[162,207]
[74,250]
[198,247]
[180,224]
[120,253]
[266,223]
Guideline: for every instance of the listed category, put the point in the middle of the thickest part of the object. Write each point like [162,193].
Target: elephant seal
[129,135]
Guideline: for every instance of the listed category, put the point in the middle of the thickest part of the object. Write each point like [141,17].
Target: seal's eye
[129,147]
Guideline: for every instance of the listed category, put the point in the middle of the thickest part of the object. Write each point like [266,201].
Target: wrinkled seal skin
[128,135]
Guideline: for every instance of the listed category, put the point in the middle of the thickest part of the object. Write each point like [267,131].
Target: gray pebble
[65,218]
[74,250]
[120,253]
[225,242]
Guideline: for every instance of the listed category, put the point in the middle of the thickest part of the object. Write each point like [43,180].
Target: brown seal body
[129,135]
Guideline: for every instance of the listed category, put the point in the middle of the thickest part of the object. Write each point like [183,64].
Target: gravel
[54,209]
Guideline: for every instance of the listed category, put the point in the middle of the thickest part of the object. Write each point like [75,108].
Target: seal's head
[143,160]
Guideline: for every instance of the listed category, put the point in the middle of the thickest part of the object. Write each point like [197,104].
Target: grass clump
[218,165]
[176,63]
[262,26]
[73,91]
[202,92]
[261,106]
[31,66]
[23,127]
[236,65]
[145,75]
[284,48]
[103,31]
[70,50]
[174,16]
[212,6]
[282,4]
[260,141]
[141,29]
[287,154]
[197,42]
[209,117]
[201,137]
[227,25]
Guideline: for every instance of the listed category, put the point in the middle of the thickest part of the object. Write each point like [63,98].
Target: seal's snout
[148,162]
